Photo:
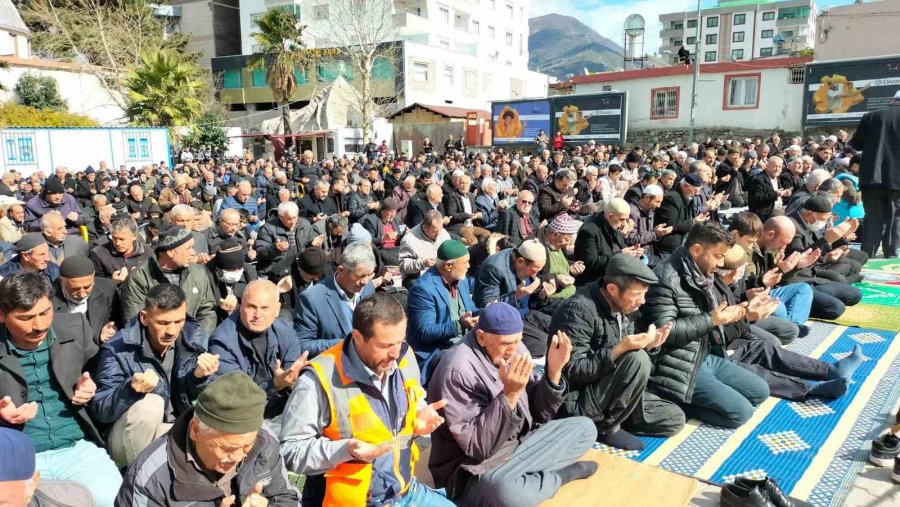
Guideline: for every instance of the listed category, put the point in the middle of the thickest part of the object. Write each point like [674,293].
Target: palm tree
[280,40]
[164,90]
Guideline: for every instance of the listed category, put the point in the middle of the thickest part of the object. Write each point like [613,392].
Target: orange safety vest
[352,416]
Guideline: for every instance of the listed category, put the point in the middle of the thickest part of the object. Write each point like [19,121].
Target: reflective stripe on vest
[352,416]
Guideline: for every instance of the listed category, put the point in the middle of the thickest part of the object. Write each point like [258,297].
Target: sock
[621,439]
[804,330]
[830,388]
[846,366]
[576,471]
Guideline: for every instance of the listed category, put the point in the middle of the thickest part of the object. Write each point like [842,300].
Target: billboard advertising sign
[840,92]
[601,118]
[520,122]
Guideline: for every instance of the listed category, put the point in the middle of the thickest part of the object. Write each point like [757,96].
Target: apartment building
[740,30]
[459,53]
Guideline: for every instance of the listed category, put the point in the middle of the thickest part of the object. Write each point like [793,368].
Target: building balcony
[467,6]
[784,22]
[410,23]
[672,32]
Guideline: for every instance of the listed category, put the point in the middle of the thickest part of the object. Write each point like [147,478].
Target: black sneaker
[884,449]
[895,474]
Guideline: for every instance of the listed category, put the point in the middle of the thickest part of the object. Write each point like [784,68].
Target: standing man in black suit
[77,290]
[878,136]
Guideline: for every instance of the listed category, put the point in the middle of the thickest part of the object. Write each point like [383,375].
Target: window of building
[471,79]
[320,12]
[420,72]
[768,16]
[793,13]
[258,78]
[476,28]
[301,76]
[796,76]
[712,21]
[509,38]
[765,52]
[740,19]
[329,71]
[691,41]
[488,82]
[19,148]
[521,13]
[492,33]
[766,34]
[788,35]
[678,26]
[382,68]
[712,38]
[444,14]
[448,75]
[231,78]
[709,56]
[291,8]
[737,37]
[737,54]
[493,5]
[692,23]
[137,145]
[521,44]
[509,11]
[676,43]
[664,103]
[742,91]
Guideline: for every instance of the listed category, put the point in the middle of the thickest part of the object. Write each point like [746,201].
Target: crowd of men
[188,335]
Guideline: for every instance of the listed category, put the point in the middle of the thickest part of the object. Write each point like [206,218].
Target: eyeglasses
[526,202]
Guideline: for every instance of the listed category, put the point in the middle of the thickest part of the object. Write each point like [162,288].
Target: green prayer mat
[871,316]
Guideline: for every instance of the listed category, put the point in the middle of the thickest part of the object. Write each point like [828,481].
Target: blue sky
[607,17]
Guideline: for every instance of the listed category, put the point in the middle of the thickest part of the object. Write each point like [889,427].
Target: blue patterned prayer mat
[814,449]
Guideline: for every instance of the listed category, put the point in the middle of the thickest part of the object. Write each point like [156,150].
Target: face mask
[232,276]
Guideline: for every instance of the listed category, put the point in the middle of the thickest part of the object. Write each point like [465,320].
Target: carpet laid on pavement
[815,449]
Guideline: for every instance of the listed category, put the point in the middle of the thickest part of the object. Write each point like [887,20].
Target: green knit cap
[451,250]
[232,403]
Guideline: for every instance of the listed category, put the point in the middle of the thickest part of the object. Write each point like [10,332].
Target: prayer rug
[872,316]
[814,449]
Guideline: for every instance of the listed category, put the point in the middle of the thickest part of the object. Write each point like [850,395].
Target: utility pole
[696,73]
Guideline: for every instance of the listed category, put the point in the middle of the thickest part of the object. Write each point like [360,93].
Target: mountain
[561,45]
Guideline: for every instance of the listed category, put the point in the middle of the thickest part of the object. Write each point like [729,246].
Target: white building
[740,30]
[13,32]
[460,53]
[766,95]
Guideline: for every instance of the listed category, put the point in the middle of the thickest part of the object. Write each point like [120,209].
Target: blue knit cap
[18,456]
[500,319]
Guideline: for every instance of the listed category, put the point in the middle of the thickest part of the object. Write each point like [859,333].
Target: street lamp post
[696,73]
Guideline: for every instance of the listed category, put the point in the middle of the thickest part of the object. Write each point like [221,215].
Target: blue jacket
[236,353]
[430,324]
[321,318]
[124,355]
[252,207]
[496,281]
[13,265]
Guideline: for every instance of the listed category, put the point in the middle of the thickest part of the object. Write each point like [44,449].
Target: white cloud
[608,20]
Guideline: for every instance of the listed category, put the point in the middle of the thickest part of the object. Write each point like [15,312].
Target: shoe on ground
[735,496]
[769,489]
[884,450]
[895,474]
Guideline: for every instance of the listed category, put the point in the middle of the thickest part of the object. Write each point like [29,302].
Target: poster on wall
[601,117]
[840,92]
[520,122]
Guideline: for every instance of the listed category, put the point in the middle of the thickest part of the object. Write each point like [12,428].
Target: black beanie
[53,186]
[229,255]
[76,266]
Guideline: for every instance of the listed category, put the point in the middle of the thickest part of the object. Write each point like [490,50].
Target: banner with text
[840,92]
[601,118]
